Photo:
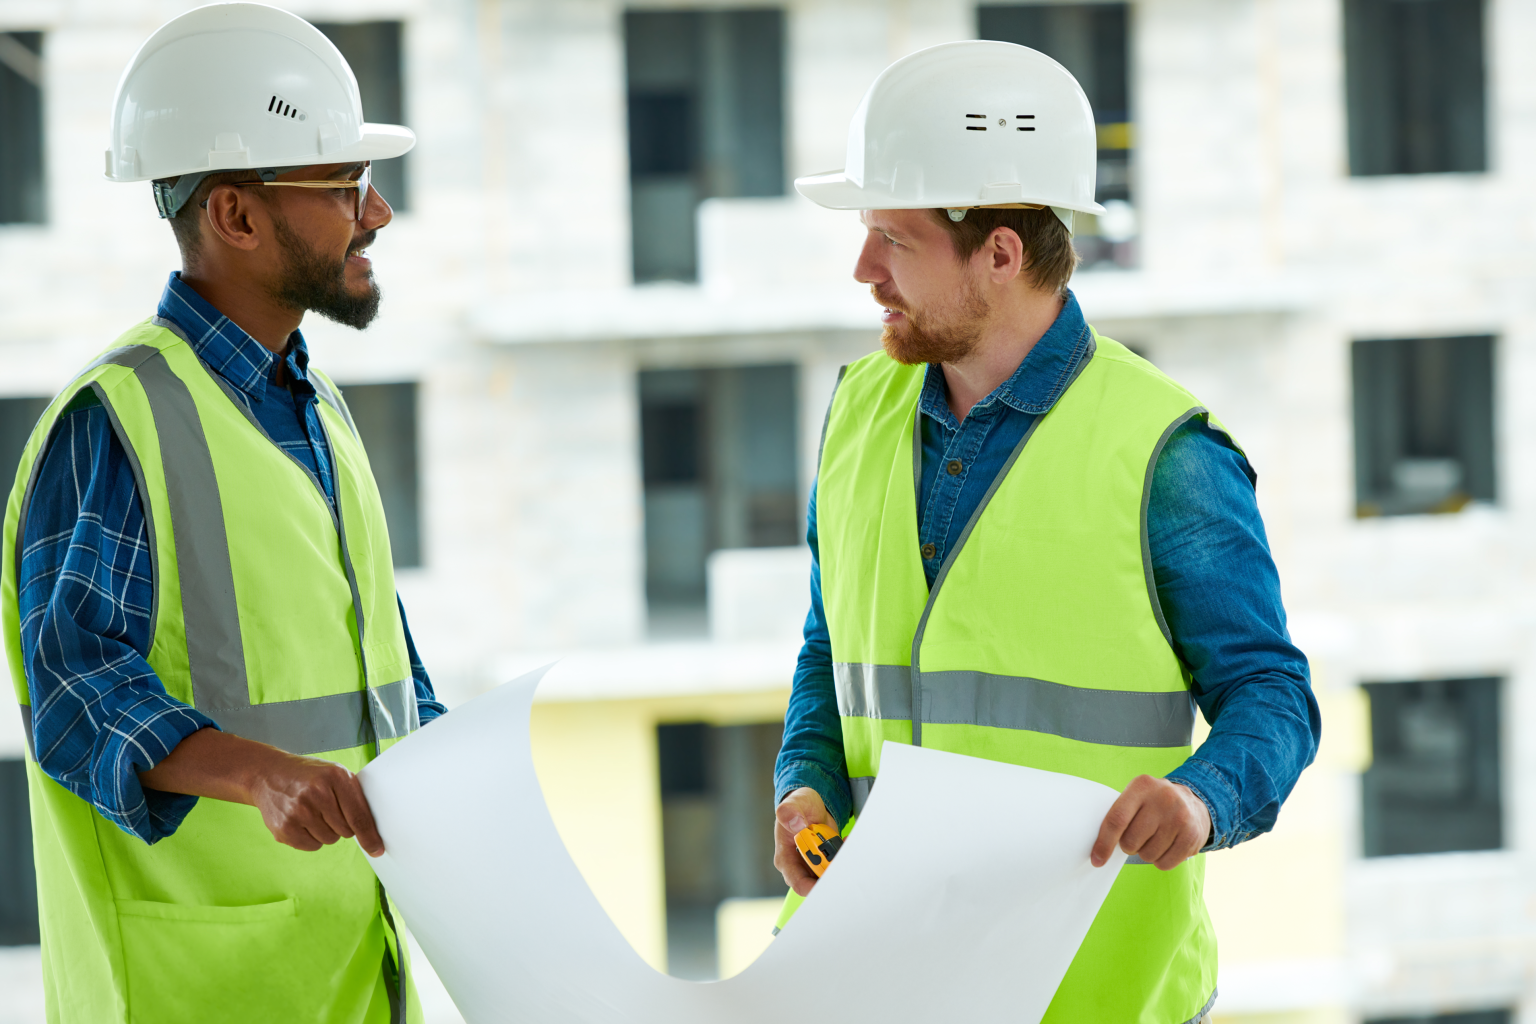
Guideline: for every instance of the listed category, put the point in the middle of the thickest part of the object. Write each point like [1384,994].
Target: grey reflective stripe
[26,728]
[215,651]
[215,654]
[860,788]
[873,691]
[1119,718]
[335,722]
[323,389]
[1200,1017]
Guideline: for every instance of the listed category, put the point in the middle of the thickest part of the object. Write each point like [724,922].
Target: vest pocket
[188,962]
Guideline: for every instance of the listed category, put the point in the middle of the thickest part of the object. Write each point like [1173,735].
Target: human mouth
[359,255]
[891,316]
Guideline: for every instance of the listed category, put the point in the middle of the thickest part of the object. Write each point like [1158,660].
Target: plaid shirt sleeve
[426,700]
[100,715]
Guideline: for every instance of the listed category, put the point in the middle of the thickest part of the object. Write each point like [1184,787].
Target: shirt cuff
[833,789]
[429,710]
[143,734]
[1221,801]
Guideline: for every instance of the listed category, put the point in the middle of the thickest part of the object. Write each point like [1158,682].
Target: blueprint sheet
[963,894]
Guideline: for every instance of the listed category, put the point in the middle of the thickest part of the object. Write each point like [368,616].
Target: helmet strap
[169,199]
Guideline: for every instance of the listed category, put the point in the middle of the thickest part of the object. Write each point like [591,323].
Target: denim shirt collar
[1040,379]
[240,359]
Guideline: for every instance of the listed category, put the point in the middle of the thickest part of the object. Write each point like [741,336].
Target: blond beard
[944,337]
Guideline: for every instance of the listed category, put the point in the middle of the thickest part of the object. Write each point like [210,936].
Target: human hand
[308,803]
[798,811]
[305,802]
[1161,822]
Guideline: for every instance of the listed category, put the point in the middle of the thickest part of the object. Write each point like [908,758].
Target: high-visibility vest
[1041,643]
[277,620]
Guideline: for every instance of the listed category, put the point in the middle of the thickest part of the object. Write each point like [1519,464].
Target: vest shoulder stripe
[1120,718]
[215,654]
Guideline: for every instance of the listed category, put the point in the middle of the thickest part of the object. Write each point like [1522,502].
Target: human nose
[376,212]
[871,269]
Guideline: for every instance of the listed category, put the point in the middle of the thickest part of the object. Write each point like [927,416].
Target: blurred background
[611,328]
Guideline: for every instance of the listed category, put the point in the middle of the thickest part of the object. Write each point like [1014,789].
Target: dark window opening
[720,467]
[1500,1016]
[18,882]
[1093,42]
[1434,782]
[385,415]
[717,830]
[1415,83]
[706,119]
[1423,424]
[22,196]
[373,49]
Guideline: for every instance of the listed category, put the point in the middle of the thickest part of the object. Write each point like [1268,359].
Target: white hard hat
[239,85]
[967,124]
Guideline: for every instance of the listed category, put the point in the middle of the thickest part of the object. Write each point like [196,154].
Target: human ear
[1005,254]
[229,216]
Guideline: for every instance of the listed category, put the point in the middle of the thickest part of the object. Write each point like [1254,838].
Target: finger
[354,805]
[791,817]
[1159,844]
[315,825]
[1113,827]
[1140,831]
[297,838]
[1185,845]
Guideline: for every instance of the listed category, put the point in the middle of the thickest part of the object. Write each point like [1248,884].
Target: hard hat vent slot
[279,107]
[976,127]
[1025,117]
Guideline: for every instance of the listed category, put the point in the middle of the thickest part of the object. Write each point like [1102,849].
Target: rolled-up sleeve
[100,715]
[812,751]
[1220,594]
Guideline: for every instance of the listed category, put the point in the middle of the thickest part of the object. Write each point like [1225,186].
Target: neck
[1016,324]
[248,304]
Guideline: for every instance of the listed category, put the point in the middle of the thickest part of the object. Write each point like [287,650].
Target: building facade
[611,328]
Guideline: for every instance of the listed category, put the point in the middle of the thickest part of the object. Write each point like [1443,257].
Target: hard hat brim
[834,190]
[377,142]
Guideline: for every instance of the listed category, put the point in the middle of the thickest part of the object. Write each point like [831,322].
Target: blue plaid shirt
[99,713]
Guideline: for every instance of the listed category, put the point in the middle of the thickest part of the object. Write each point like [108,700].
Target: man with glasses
[199,603]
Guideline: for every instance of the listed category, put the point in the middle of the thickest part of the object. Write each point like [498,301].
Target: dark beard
[936,339]
[314,281]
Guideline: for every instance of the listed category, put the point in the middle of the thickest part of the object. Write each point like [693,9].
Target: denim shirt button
[954,467]
[929,550]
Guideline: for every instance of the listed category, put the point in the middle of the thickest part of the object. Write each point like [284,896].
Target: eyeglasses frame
[361,183]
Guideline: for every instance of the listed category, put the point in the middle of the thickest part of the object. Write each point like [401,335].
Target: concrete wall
[507,296]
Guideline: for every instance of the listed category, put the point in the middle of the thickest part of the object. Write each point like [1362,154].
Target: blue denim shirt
[1216,582]
[99,714]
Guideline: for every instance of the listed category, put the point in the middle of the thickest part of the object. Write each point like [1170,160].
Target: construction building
[611,329]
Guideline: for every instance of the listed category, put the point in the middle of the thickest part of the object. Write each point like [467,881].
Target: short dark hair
[1049,258]
[186,225]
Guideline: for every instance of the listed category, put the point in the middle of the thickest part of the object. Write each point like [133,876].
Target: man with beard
[200,611]
[1029,544]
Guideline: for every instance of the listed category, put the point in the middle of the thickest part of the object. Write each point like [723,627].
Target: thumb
[791,818]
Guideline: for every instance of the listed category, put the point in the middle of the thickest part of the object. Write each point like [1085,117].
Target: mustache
[888,301]
[365,241]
